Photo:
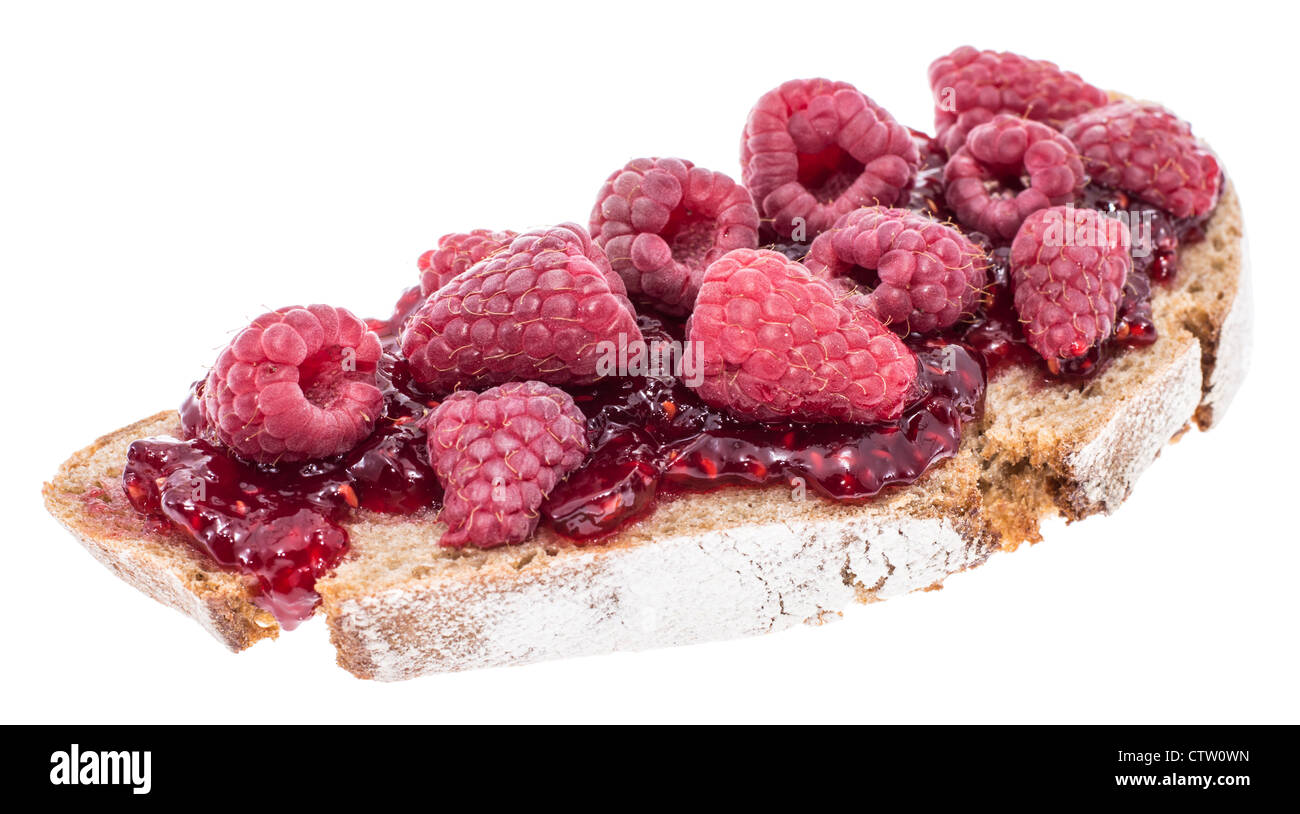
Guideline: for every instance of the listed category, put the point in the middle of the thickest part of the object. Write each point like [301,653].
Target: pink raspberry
[815,149]
[1148,151]
[537,309]
[1006,147]
[1068,269]
[662,221]
[456,253]
[498,454]
[776,343]
[971,87]
[920,275]
[297,383]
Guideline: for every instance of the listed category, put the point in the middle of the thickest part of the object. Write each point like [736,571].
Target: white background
[169,173]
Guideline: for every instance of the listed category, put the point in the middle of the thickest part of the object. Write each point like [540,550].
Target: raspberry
[921,275]
[534,310]
[815,149]
[1148,151]
[971,87]
[499,454]
[456,253]
[1006,147]
[775,343]
[1068,269]
[297,383]
[662,221]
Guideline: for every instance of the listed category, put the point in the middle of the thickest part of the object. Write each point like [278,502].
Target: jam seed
[348,494]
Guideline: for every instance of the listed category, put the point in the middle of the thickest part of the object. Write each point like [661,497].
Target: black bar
[284,764]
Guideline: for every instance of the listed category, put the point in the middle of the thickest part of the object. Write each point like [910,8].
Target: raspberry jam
[653,436]
[279,523]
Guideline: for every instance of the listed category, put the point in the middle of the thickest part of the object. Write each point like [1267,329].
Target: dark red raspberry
[499,454]
[662,221]
[775,342]
[971,87]
[982,176]
[534,310]
[297,383]
[918,274]
[815,149]
[1068,268]
[456,253]
[1148,151]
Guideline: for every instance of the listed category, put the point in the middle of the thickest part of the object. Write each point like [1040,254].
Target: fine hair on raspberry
[814,149]
[662,221]
[456,252]
[1148,151]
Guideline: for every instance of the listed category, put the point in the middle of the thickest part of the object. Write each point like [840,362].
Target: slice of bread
[727,563]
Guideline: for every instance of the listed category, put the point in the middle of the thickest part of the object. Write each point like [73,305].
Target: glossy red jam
[279,523]
[654,436]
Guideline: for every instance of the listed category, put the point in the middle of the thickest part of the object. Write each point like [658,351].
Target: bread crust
[86,496]
[1076,450]
[731,562]
[708,566]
